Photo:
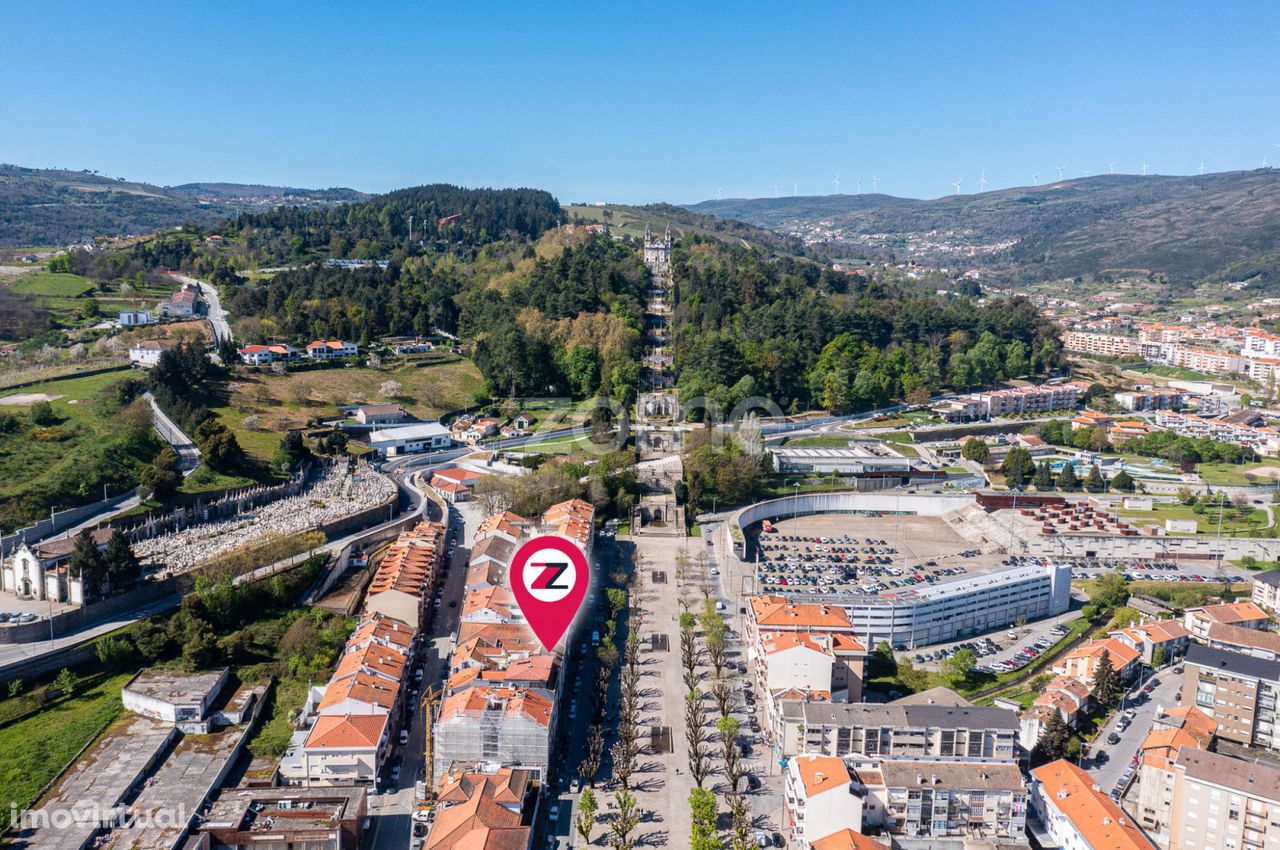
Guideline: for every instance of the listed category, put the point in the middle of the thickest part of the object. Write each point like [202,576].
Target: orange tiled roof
[1233,612]
[505,522]
[459,474]
[1097,818]
[847,839]
[379,628]
[506,785]
[479,822]
[362,687]
[511,702]
[1121,653]
[1195,723]
[1240,636]
[821,773]
[573,519]
[410,563]
[496,597]
[372,658]
[1159,631]
[347,731]
[774,612]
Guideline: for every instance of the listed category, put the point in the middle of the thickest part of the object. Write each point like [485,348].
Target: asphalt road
[577,677]
[392,811]
[217,316]
[1118,756]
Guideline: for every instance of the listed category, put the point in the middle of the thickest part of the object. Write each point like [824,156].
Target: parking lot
[1135,570]
[852,553]
[16,609]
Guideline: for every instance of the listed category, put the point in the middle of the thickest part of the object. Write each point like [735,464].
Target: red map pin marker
[549,577]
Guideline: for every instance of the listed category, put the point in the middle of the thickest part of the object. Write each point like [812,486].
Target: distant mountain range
[56,207]
[1202,229]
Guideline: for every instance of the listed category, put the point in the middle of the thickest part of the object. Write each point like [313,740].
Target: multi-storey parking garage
[943,590]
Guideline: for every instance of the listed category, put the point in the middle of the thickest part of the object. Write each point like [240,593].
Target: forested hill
[438,213]
[60,207]
[1210,227]
[805,336]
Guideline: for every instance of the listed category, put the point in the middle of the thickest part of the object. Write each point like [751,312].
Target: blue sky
[638,102]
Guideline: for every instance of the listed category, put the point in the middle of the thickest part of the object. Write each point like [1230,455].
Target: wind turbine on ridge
[875,185]
[1111,166]
[957,185]
[982,181]
[1202,166]
[1144,169]
[1061,168]
[837,182]
[1035,178]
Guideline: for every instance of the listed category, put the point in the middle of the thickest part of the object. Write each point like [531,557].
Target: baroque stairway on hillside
[657,407]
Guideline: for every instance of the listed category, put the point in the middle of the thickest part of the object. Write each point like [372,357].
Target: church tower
[657,252]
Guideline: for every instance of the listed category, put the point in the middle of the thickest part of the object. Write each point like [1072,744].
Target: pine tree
[1068,480]
[1106,684]
[1095,483]
[1122,482]
[1043,478]
[1053,737]
[121,564]
[86,564]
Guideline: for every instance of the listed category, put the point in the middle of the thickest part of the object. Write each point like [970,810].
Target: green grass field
[818,441]
[1238,475]
[43,460]
[35,750]
[53,284]
[1208,521]
[281,402]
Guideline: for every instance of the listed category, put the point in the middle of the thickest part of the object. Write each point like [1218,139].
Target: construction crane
[428,702]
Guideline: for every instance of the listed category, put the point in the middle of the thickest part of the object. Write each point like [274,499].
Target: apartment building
[962,801]
[1238,691]
[819,799]
[1242,614]
[1103,345]
[1082,662]
[1264,370]
[1206,360]
[1169,637]
[314,818]
[1255,642]
[509,726]
[822,665]
[1034,399]
[1224,803]
[1263,440]
[1156,332]
[406,576]
[1259,343]
[1151,796]
[484,811]
[348,723]
[1266,591]
[1070,812]
[1149,400]
[896,731]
